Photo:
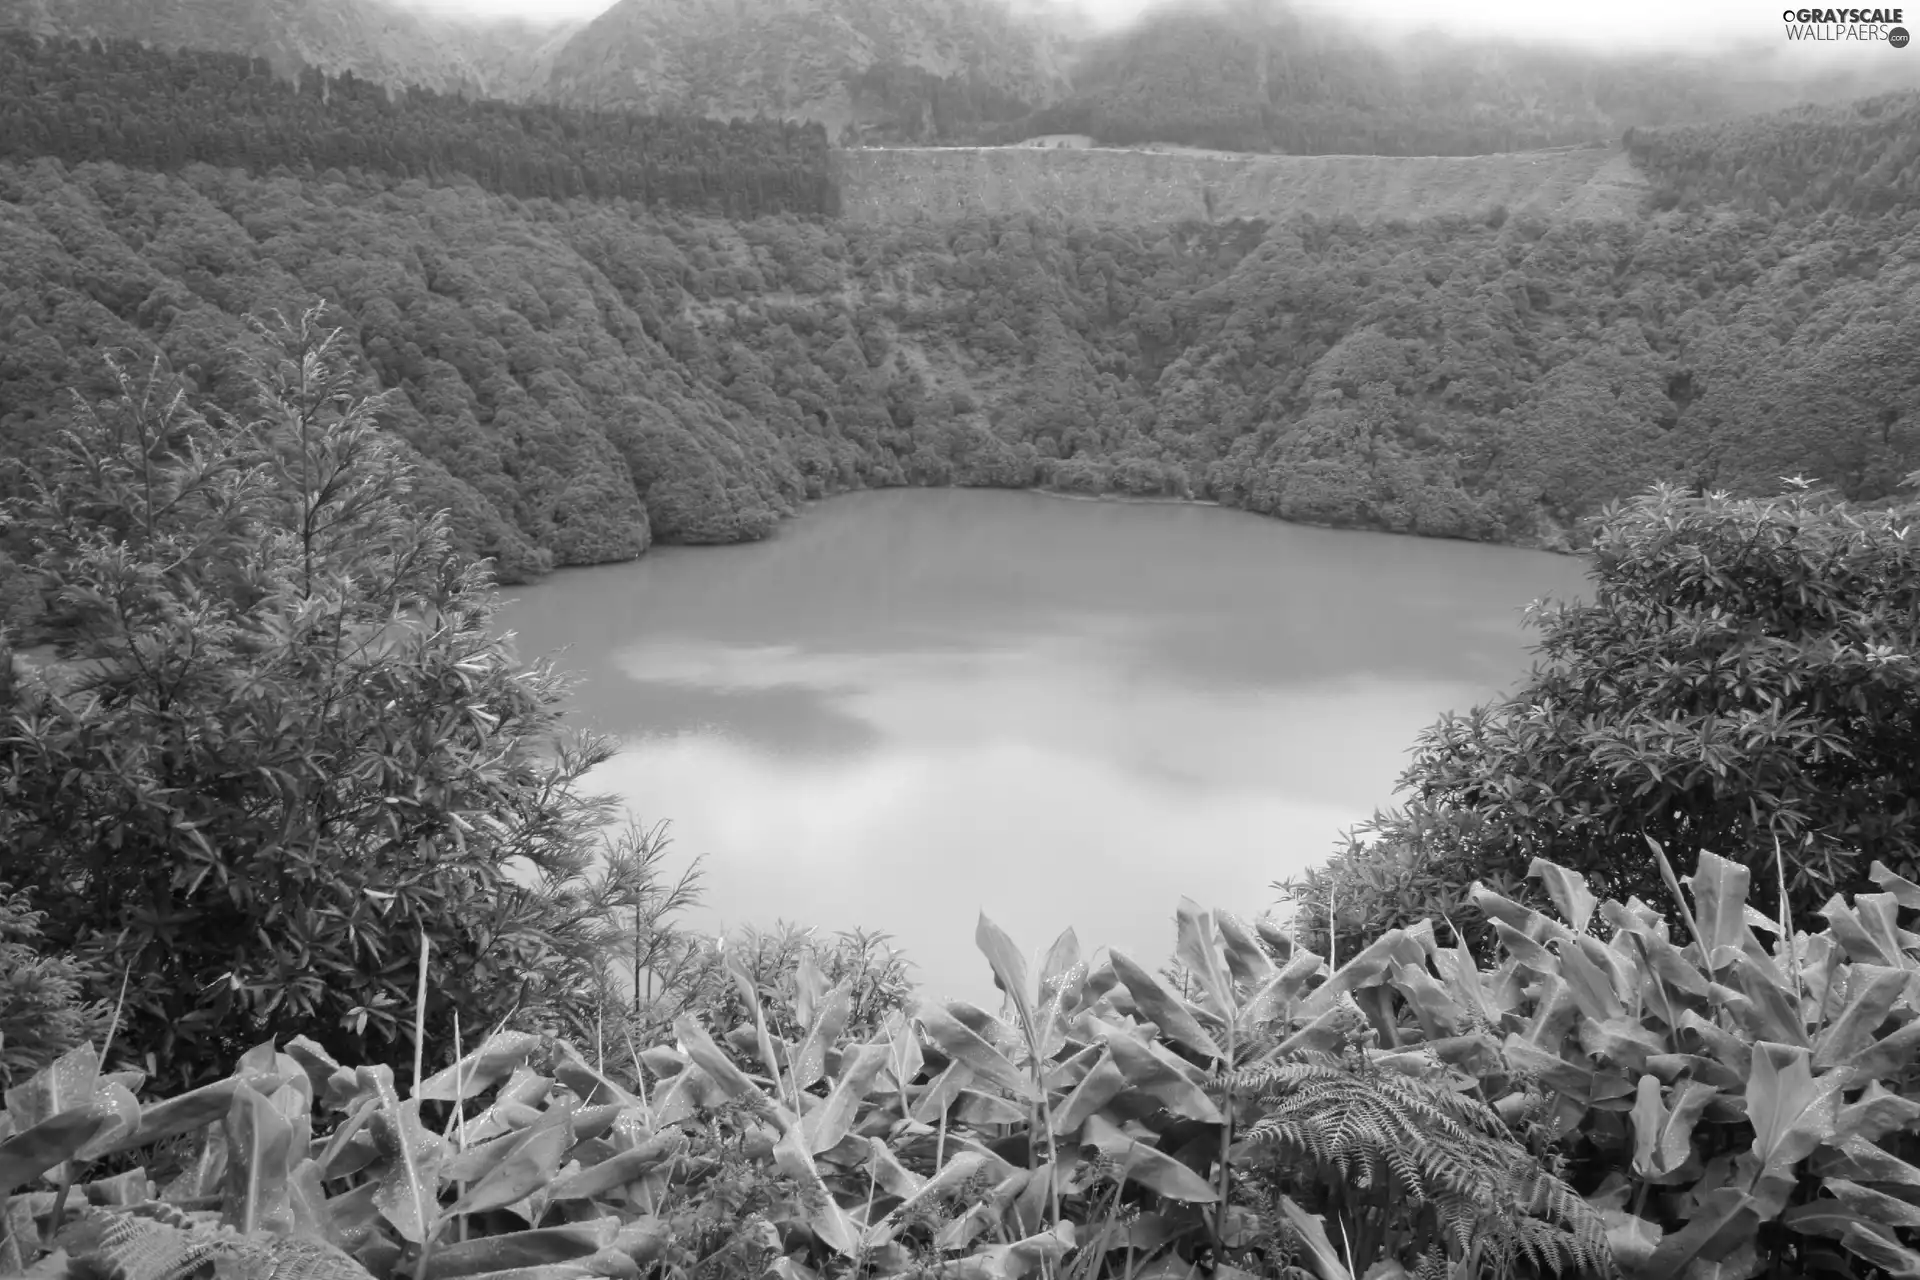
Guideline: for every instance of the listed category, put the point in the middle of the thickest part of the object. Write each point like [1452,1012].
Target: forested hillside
[583,374]
[1862,158]
[121,101]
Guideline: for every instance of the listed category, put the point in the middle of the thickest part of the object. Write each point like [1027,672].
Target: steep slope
[890,65]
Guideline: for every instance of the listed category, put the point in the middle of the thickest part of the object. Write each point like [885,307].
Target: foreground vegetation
[1609,1099]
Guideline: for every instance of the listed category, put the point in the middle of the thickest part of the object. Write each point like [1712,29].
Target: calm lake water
[911,706]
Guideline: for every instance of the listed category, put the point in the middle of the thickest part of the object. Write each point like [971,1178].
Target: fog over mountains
[1254,75]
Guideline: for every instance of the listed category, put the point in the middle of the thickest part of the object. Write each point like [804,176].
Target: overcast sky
[1697,25]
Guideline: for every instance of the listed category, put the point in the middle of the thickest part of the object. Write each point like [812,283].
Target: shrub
[286,751]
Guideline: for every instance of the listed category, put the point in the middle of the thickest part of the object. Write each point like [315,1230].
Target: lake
[909,706]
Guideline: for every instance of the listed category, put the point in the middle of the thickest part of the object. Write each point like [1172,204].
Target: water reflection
[908,707]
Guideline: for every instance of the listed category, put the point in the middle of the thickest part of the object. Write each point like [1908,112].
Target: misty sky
[1696,25]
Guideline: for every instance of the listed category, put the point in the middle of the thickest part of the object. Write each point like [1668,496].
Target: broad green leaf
[355,1217]
[1023,1257]
[1009,970]
[809,990]
[1890,1056]
[1569,892]
[712,1059]
[1158,1079]
[941,1093]
[810,1057]
[516,1249]
[1792,1110]
[889,1174]
[978,1110]
[1525,921]
[1719,889]
[260,1157]
[331,1082]
[1903,890]
[1311,1231]
[532,1161]
[904,1059]
[62,1085]
[482,1068]
[190,1111]
[205,1172]
[620,1169]
[1871,993]
[307,1203]
[588,1083]
[1147,1165]
[1062,958]
[27,1155]
[683,1095]
[959,1042]
[828,1220]
[825,1125]
[1663,1134]
[1162,1007]
[1774,1010]
[1196,948]
[523,1091]
[1100,1086]
[1246,959]
[958,1170]
[1866,929]
[410,1187]
[1876,1114]
[116,1100]
[1896,1260]
[1723,1222]
[1432,1005]
[1876,1207]
[1858,1160]
[750,994]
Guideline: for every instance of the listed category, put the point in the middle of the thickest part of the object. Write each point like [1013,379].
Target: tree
[284,749]
[1743,679]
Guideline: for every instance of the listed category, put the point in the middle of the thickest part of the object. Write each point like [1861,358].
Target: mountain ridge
[1252,77]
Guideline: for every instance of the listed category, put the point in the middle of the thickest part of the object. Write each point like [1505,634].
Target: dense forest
[123,102]
[1862,158]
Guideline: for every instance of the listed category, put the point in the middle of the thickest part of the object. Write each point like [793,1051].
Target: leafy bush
[1743,678]
[286,754]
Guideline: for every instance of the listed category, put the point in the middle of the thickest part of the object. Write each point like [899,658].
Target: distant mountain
[1258,75]
[897,69]
[372,39]
[1243,75]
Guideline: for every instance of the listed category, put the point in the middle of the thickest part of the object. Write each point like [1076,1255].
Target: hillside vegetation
[581,376]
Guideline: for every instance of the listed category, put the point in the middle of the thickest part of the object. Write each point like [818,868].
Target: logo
[1835,25]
